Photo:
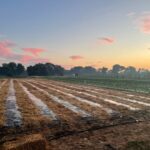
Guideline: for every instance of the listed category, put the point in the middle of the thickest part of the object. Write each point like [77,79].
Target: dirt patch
[27,142]
[115,138]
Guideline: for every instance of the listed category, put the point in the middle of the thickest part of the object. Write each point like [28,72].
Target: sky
[75,32]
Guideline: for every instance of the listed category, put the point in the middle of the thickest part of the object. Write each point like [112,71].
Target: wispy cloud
[7,53]
[27,59]
[131,14]
[6,48]
[76,57]
[33,51]
[144,24]
[106,40]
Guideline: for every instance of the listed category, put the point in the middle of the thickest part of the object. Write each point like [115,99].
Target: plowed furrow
[44,110]
[65,115]
[94,108]
[13,115]
[31,116]
[120,101]
[114,99]
[127,95]
[105,101]
[66,104]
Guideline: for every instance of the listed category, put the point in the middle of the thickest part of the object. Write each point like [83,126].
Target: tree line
[13,69]
[117,71]
[48,69]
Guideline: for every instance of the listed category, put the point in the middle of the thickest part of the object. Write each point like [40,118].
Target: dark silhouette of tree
[59,70]
[12,69]
[47,69]
[89,70]
[104,71]
[77,70]
[116,69]
[20,69]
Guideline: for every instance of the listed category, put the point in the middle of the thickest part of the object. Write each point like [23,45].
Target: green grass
[142,86]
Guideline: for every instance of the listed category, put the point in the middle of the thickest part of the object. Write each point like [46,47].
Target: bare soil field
[44,114]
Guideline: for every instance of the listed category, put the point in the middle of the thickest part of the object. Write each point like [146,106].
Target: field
[54,115]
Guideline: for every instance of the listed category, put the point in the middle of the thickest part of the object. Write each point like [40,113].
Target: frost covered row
[66,104]
[41,105]
[94,104]
[96,90]
[13,115]
[110,101]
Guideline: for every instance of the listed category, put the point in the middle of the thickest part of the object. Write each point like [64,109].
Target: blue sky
[80,28]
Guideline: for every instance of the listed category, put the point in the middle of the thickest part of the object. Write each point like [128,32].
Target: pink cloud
[25,59]
[5,48]
[106,40]
[145,24]
[7,53]
[34,51]
[76,57]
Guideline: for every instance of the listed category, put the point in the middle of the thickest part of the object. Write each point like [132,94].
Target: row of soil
[137,96]
[30,113]
[97,100]
[142,114]
[68,119]
[96,112]
[101,97]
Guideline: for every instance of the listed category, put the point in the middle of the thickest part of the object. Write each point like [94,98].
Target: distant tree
[20,69]
[76,70]
[89,70]
[30,70]
[11,69]
[143,73]
[47,69]
[116,69]
[79,70]
[59,70]
[130,72]
[104,71]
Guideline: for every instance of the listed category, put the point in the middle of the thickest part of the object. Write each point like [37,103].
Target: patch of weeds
[138,145]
